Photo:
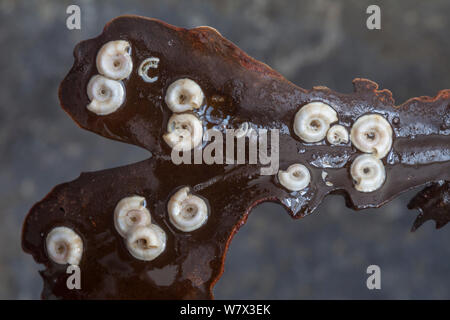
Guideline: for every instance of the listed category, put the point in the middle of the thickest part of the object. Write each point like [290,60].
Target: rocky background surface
[310,42]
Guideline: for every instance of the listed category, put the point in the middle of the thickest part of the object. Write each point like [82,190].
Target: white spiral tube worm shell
[130,212]
[337,134]
[184,95]
[295,178]
[313,120]
[106,95]
[146,65]
[187,212]
[64,246]
[114,60]
[146,242]
[372,133]
[184,132]
[368,173]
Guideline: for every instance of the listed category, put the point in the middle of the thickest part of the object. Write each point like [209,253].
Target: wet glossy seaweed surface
[237,89]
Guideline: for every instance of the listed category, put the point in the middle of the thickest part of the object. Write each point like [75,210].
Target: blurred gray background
[311,43]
